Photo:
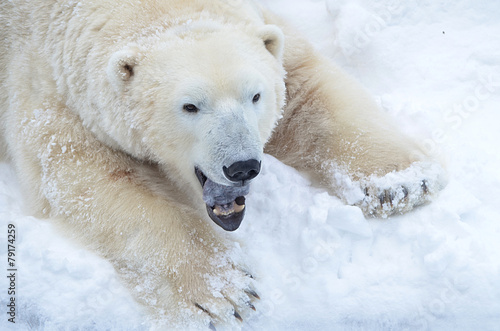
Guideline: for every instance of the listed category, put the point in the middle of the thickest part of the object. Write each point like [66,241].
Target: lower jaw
[227,222]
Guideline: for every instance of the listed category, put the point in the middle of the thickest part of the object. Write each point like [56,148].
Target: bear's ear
[121,66]
[273,39]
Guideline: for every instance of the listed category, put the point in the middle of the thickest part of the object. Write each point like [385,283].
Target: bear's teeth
[238,208]
[219,212]
[228,209]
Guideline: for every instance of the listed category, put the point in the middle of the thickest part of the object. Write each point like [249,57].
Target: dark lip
[228,223]
[200,175]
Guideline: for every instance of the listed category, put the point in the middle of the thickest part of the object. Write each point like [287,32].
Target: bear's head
[201,100]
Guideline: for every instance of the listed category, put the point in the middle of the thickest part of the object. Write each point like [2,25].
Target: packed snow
[319,264]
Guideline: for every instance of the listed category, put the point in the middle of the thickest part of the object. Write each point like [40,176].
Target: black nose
[242,171]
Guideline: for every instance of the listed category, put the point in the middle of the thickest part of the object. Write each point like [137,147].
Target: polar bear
[135,124]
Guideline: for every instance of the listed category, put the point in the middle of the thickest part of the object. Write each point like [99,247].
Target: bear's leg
[333,130]
[166,252]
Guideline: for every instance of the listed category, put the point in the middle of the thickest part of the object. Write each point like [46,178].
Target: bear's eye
[190,108]
[256,98]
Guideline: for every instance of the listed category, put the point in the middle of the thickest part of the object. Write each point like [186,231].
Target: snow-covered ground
[320,265]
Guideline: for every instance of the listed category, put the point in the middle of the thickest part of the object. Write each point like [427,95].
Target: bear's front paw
[401,191]
[228,299]
[215,293]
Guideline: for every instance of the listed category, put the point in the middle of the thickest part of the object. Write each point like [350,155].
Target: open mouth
[225,204]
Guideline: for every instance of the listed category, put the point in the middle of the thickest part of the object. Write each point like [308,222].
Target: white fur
[91,106]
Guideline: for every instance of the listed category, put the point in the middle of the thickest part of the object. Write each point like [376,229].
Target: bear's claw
[252,293]
[211,325]
[212,317]
[386,198]
[425,186]
[238,316]
[203,309]
[251,306]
